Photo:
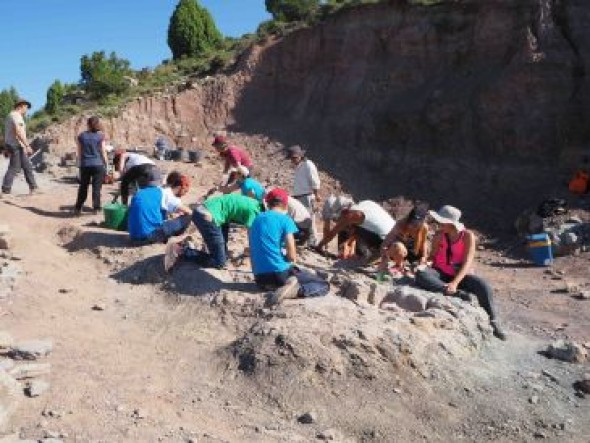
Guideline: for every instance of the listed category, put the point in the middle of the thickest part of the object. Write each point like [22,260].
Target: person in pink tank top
[452,255]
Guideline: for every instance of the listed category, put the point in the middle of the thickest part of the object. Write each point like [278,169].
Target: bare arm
[103,152]
[122,160]
[228,189]
[470,241]
[78,149]
[387,242]
[341,225]
[435,245]
[291,249]
[423,233]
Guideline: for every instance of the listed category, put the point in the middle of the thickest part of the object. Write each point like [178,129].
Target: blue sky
[43,40]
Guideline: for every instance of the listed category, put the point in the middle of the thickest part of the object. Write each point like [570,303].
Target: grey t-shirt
[13,120]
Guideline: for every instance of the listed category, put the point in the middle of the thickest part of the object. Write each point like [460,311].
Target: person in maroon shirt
[234,156]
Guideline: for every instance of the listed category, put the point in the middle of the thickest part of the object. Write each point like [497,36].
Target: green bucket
[115,216]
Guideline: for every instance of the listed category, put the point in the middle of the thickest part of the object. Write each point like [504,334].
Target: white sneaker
[172,254]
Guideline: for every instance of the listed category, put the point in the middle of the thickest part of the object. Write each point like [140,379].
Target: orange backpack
[579,183]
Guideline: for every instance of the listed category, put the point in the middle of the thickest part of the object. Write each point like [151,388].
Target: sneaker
[289,290]
[498,331]
[172,254]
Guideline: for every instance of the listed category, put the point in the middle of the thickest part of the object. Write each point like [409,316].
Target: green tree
[55,95]
[292,10]
[8,98]
[192,31]
[102,75]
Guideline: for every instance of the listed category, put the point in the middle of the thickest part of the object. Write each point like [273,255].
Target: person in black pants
[93,160]
[135,169]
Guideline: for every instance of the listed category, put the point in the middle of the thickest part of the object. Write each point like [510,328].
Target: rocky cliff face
[478,104]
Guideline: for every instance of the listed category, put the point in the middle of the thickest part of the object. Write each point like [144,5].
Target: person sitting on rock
[134,168]
[213,219]
[364,225]
[408,240]
[271,232]
[302,219]
[453,254]
[150,206]
[244,183]
[233,156]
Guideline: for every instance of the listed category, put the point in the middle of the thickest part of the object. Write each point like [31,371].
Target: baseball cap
[219,141]
[277,194]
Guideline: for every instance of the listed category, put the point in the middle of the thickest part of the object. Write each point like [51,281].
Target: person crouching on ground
[272,231]
[408,240]
[367,223]
[213,219]
[244,183]
[302,219]
[306,184]
[233,156]
[92,155]
[134,168]
[150,205]
[453,253]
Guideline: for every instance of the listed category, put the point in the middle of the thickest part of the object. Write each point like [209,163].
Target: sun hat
[448,215]
[219,142]
[277,194]
[22,101]
[334,206]
[295,150]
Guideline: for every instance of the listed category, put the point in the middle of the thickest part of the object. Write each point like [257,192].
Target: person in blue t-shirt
[244,183]
[150,205]
[271,232]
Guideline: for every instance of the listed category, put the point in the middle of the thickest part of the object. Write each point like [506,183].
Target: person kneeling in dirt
[453,253]
[134,168]
[362,226]
[213,219]
[150,205]
[408,240]
[302,218]
[244,183]
[271,231]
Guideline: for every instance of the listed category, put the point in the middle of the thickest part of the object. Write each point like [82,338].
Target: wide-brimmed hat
[333,206]
[448,215]
[219,142]
[295,150]
[22,101]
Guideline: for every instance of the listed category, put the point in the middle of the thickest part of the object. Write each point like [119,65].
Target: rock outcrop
[459,102]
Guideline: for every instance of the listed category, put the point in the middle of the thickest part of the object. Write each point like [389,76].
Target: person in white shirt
[302,219]
[17,146]
[306,185]
[134,168]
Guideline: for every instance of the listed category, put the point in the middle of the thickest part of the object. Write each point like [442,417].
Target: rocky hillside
[463,102]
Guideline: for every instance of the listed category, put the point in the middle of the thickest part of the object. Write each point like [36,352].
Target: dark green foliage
[102,75]
[192,31]
[292,10]
[55,94]
[8,98]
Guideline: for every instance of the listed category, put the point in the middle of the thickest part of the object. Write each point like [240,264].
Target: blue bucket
[540,250]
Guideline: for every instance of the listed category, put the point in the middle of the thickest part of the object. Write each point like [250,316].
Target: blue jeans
[170,228]
[214,238]
[311,284]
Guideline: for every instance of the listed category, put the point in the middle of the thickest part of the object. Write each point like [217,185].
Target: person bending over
[213,219]
[302,219]
[152,204]
[244,183]
[453,253]
[408,240]
[271,232]
[364,225]
[134,168]
[233,156]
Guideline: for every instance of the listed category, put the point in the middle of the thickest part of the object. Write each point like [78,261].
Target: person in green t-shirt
[213,219]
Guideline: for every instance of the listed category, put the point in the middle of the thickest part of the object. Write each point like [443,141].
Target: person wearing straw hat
[452,255]
[18,148]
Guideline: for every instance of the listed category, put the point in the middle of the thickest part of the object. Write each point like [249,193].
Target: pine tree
[55,94]
[292,10]
[192,30]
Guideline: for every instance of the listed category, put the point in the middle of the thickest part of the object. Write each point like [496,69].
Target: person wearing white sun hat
[452,255]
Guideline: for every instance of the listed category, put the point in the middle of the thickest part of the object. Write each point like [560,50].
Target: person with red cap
[271,232]
[234,156]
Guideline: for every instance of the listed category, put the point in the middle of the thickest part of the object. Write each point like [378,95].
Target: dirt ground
[143,357]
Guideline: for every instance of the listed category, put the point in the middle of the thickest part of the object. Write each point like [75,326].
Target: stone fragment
[6,340]
[6,241]
[583,295]
[377,294]
[355,291]
[534,400]
[568,351]
[32,350]
[30,370]
[307,418]
[584,384]
[36,388]
[572,288]
[99,307]
[10,394]
[328,435]
[409,300]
